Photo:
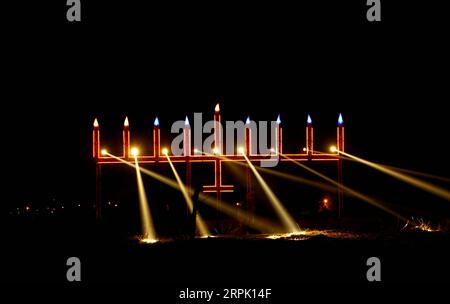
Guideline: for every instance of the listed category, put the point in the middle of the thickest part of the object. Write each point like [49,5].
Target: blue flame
[186,121]
[309,120]
[247,122]
[278,119]
[340,120]
[156,123]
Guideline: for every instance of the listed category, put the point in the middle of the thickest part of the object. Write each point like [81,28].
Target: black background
[389,79]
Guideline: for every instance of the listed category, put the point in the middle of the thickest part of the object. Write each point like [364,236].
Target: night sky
[389,80]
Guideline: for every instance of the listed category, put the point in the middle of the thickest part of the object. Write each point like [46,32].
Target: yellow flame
[217,108]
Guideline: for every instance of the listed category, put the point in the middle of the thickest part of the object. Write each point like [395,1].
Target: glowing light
[282,213]
[186,121]
[126,123]
[304,149]
[241,150]
[333,149]
[156,122]
[215,150]
[340,120]
[196,150]
[165,151]
[95,123]
[309,120]
[325,201]
[272,149]
[247,122]
[217,108]
[104,151]
[134,151]
[278,119]
[148,241]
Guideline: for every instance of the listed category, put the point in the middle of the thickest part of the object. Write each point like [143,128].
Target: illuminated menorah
[160,156]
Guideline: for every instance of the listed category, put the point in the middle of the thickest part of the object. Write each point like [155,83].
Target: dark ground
[321,267]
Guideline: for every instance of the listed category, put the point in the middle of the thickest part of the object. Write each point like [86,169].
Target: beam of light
[203,230]
[148,230]
[350,191]
[287,220]
[165,151]
[258,223]
[423,174]
[425,186]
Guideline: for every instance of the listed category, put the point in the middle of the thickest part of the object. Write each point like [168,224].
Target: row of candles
[218,148]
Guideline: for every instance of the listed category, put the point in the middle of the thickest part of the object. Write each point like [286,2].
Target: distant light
[272,149]
[104,151]
[156,122]
[304,149]
[241,150]
[217,108]
[186,121]
[340,120]
[95,123]
[333,149]
[309,120]
[27,208]
[247,122]
[278,119]
[165,151]
[325,201]
[126,123]
[135,151]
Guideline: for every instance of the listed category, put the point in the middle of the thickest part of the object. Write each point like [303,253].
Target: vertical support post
[217,183]
[98,192]
[187,154]
[340,147]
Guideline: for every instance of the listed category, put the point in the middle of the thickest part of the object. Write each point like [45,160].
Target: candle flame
[309,120]
[278,119]
[340,120]
[156,122]
[217,108]
[247,122]
[126,123]
[186,121]
[95,123]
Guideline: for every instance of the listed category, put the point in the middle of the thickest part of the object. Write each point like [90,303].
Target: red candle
[309,136]
[96,140]
[126,138]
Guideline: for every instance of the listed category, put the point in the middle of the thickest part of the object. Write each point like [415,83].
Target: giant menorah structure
[217,157]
